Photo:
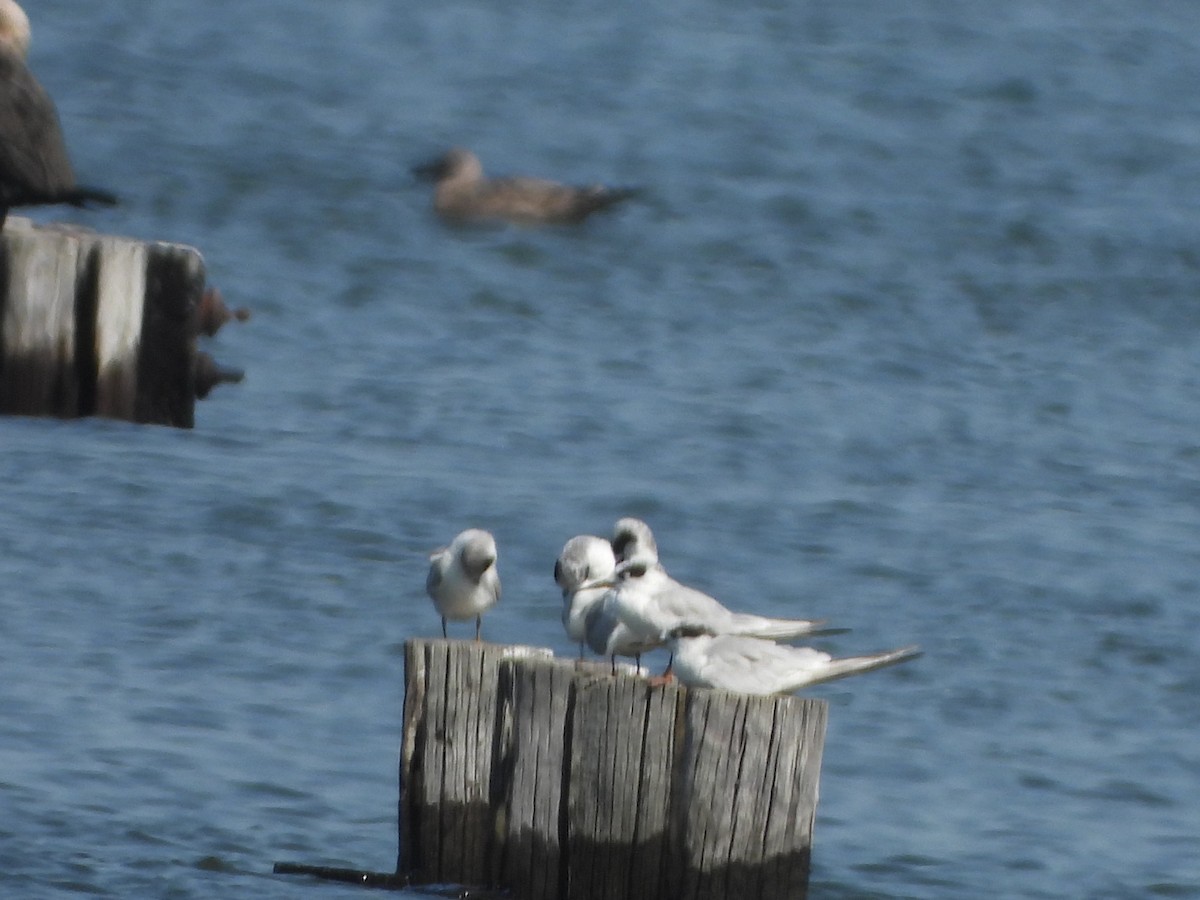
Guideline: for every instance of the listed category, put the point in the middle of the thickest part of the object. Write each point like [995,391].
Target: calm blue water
[905,333]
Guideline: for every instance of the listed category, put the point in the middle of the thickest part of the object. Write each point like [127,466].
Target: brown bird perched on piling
[463,194]
[34,167]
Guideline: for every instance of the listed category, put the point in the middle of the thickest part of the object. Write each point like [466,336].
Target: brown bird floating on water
[463,194]
[34,167]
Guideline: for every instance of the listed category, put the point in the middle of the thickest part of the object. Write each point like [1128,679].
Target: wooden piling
[451,807]
[623,755]
[754,764]
[552,780]
[535,698]
[97,325]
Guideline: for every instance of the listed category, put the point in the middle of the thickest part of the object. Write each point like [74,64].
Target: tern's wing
[608,635]
[689,606]
[775,629]
[852,665]
[755,666]
[437,571]
[683,605]
[751,665]
[600,621]
[624,641]
[577,605]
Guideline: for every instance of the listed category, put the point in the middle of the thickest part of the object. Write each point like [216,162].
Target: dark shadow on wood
[87,361]
[166,377]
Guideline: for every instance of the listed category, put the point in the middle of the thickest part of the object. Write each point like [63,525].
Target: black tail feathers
[89,197]
[599,197]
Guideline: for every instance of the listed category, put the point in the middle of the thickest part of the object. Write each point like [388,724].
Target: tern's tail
[746,625]
[77,195]
[595,198]
[90,196]
[855,665]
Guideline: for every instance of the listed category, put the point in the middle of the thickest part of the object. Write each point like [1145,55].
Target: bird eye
[637,571]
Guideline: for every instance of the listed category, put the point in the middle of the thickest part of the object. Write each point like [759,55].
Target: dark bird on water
[463,194]
[34,167]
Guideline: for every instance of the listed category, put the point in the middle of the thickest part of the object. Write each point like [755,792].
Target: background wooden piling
[560,781]
[97,325]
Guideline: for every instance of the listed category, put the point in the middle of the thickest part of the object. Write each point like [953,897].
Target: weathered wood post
[744,796]
[99,325]
[535,712]
[451,791]
[624,747]
[552,781]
